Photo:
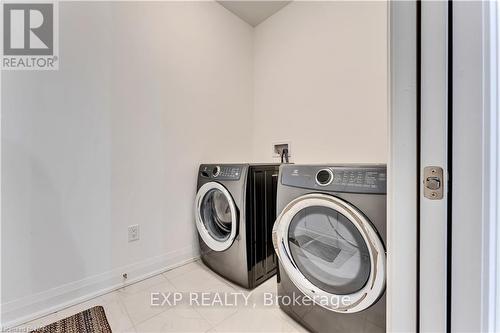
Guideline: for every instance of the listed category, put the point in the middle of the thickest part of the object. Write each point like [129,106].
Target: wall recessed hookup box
[279,146]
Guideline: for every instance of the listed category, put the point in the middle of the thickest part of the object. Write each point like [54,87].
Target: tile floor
[129,309]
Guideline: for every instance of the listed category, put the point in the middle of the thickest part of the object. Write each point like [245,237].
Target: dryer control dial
[216,171]
[324,177]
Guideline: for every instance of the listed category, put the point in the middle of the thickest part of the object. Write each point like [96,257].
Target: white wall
[321,82]
[114,138]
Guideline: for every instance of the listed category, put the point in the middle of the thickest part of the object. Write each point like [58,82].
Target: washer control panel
[221,172]
[351,179]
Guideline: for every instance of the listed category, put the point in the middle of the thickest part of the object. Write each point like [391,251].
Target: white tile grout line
[120,300]
[167,308]
[219,278]
[234,286]
[138,291]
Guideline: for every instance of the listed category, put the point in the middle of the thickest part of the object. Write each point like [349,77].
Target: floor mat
[89,321]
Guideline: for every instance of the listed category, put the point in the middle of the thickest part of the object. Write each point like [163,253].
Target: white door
[444,116]
[331,252]
[216,216]
[418,192]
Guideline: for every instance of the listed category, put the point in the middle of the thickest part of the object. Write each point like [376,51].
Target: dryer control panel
[351,179]
[221,172]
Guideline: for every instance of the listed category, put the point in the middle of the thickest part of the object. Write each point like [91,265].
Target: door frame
[434,133]
[473,294]
[402,171]
[475,167]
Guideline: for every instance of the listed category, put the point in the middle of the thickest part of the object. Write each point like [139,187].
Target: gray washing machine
[235,209]
[330,237]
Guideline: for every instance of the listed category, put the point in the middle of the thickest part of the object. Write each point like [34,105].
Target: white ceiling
[253,12]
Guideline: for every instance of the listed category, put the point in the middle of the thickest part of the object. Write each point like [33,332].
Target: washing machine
[330,236]
[235,209]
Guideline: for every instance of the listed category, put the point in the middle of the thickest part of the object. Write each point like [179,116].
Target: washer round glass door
[331,252]
[216,217]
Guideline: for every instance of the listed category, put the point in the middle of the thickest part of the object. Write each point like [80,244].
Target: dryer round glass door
[331,252]
[216,216]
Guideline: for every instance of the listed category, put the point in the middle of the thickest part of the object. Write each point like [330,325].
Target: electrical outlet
[133,232]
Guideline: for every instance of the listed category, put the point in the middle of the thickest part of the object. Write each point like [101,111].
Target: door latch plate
[433,182]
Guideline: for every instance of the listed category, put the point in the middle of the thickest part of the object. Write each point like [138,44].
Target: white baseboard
[25,309]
